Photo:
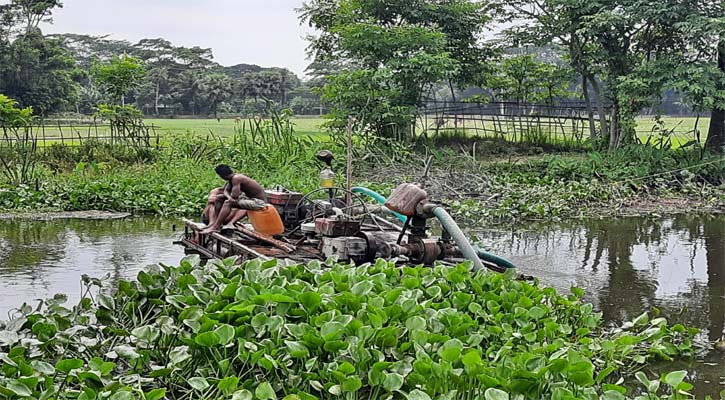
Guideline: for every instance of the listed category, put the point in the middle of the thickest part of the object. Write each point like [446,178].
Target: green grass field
[680,129]
[682,126]
[225,127]
[683,129]
[166,129]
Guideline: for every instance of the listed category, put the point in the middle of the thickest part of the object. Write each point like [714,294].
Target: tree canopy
[34,70]
[627,51]
[391,51]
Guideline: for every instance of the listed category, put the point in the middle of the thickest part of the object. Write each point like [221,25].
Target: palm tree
[158,76]
[186,89]
[216,88]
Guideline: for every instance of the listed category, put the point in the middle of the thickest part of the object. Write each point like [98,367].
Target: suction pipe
[468,251]
[379,198]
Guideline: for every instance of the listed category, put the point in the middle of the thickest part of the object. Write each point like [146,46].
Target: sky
[262,32]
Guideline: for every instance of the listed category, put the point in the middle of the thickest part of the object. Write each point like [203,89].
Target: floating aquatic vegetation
[327,331]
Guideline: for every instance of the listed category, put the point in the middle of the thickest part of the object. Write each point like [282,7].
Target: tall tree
[158,78]
[38,73]
[697,72]
[34,70]
[21,17]
[186,90]
[119,76]
[33,12]
[393,50]
[216,88]
[617,42]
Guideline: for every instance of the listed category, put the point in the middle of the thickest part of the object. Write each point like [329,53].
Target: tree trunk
[716,133]
[604,129]
[590,112]
[614,130]
[453,92]
[156,100]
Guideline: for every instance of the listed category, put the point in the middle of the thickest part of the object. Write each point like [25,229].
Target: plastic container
[327,178]
[405,198]
[266,221]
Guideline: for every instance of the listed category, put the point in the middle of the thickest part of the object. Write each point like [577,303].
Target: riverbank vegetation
[268,331]
[482,180]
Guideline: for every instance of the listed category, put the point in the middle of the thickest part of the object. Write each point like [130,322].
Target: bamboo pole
[348,171]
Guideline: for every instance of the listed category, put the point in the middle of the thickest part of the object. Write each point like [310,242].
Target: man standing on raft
[226,204]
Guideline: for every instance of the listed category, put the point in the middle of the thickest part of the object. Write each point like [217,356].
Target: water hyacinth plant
[264,330]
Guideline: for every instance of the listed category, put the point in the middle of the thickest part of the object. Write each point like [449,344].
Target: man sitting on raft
[228,204]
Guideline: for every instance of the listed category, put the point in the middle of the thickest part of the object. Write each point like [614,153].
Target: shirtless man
[226,204]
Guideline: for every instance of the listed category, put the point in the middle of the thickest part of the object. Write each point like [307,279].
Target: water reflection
[41,258]
[627,265]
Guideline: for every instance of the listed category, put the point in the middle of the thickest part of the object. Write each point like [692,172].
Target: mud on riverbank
[537,191]
[48,216]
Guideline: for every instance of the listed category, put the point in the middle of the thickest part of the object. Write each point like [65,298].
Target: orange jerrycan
[266,221]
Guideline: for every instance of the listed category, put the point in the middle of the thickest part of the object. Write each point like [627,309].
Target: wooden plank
[203,251]
[229,242]
[238,246]
[266,239]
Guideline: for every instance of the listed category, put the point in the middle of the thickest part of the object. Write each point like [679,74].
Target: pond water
[629,265]
[626,265]
[41,258]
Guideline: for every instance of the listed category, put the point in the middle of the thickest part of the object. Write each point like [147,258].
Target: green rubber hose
[379,198]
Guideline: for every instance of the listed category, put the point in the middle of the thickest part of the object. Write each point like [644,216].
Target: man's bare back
[241,184]
[224,208]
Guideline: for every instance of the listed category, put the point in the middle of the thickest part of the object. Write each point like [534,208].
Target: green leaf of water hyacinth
[122,395]
[228,385]
[19,388]
[198,383]
[393,382]
[352,384]
[242,395]
[155,394]
[207,339]
[674,378]
[225,333]
[265,392]
[417,395]
[495,394]
[417,333]
[65,366]
[146,333]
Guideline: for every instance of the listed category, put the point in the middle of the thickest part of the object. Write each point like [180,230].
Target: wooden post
[348,171]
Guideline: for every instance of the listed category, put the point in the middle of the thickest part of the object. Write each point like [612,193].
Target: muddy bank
[661,206]
[48,216]
[514,193]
